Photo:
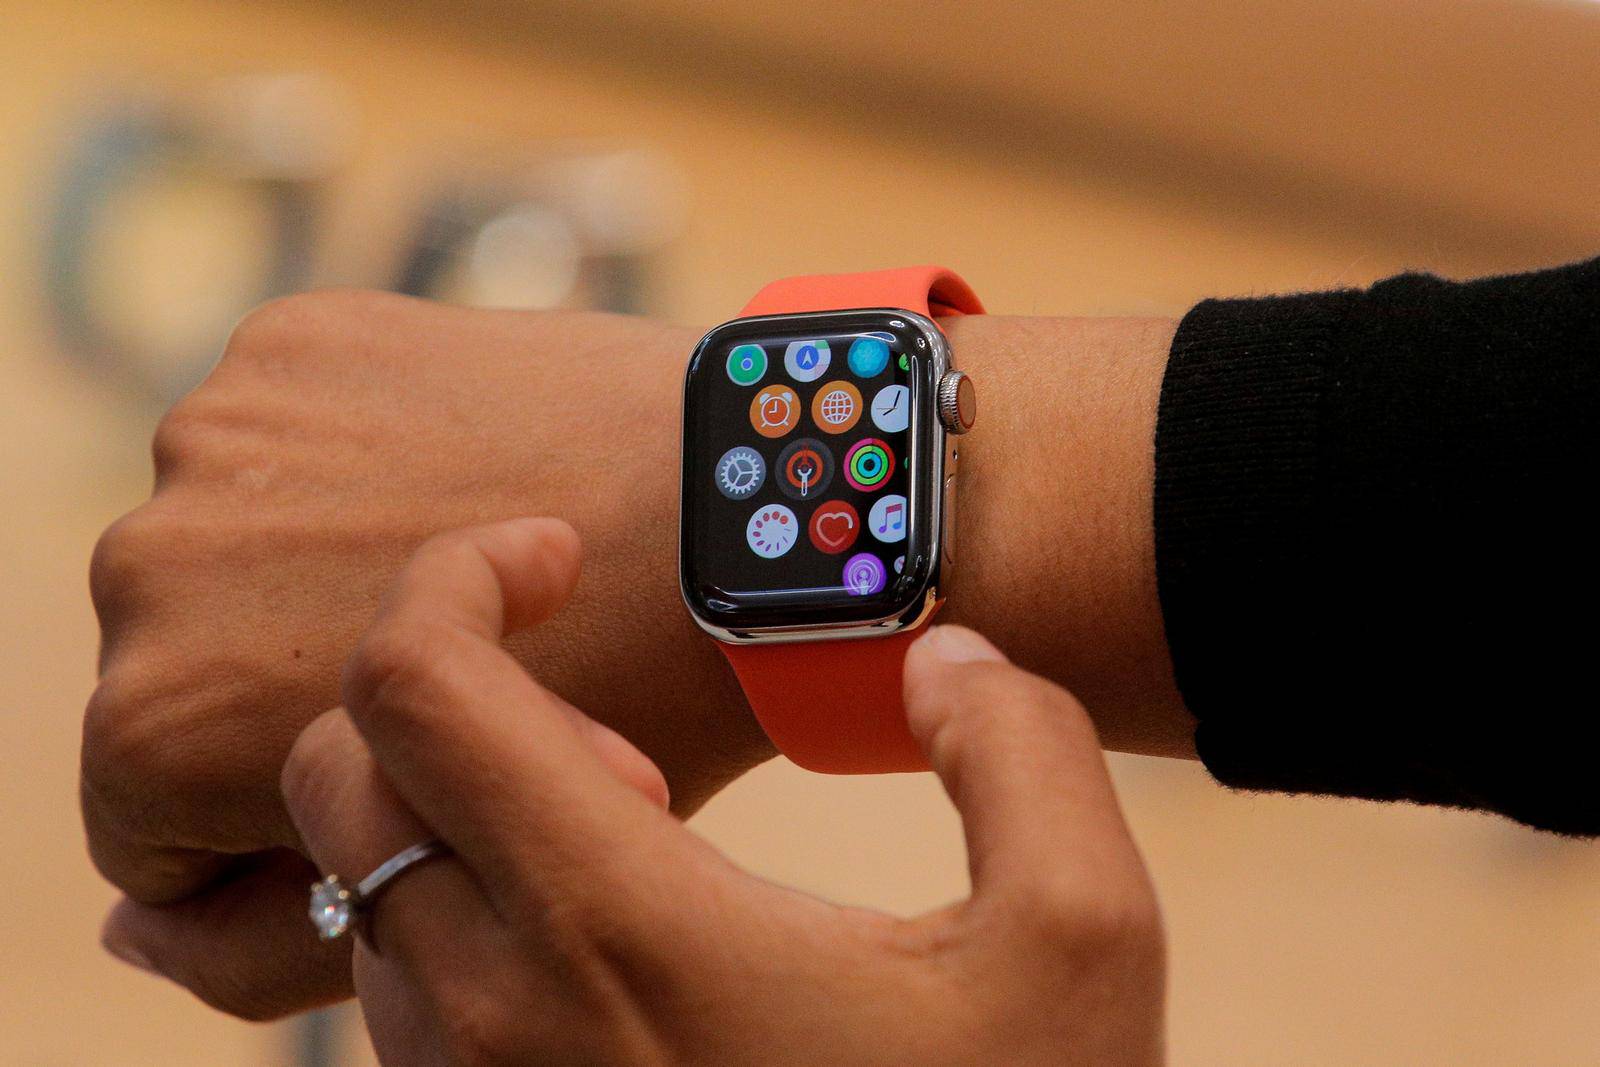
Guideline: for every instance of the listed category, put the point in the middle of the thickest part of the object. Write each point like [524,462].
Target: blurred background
[167,164]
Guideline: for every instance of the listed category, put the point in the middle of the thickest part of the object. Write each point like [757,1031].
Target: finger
[241,946]
[1021,762]
[500,767]
[351,821]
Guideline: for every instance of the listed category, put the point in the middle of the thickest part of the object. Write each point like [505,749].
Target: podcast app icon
[834,527]
[864,574]
[774,411]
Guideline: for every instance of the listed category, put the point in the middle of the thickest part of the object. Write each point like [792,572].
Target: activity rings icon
[868,464]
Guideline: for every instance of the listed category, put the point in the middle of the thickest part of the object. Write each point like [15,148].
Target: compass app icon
[740,472]
[806,361]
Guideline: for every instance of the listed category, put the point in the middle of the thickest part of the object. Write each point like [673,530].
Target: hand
[338,432]
[577,921]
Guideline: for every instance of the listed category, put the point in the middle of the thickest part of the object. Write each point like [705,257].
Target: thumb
[1022,764]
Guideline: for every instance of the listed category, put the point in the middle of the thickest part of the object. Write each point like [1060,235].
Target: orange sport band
[835,706]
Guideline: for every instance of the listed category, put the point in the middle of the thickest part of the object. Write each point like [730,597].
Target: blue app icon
[868,356]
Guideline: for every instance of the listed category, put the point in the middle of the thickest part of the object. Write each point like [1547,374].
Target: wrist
[1054,549]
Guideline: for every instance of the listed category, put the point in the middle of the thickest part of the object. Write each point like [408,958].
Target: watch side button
[948,510]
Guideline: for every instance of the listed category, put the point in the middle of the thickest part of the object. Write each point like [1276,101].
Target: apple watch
[817,519]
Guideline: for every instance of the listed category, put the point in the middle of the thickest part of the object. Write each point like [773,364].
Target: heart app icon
[834,527]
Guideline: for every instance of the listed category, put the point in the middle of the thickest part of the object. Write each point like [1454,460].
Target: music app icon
[887,519]
[834,527]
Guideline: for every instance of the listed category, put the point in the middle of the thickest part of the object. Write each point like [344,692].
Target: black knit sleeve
[1375,541]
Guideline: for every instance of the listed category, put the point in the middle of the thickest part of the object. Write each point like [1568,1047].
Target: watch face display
[807,443]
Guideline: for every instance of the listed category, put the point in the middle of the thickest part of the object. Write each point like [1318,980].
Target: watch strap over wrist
[835,706]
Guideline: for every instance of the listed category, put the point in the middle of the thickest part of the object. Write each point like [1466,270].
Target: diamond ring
[337,908]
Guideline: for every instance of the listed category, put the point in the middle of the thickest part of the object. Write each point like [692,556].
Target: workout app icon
[774,411]
[836,407]
[891,409]
[740,472]
[864,574]
[806,361]
[834,527]
[747,364]
[772,531]
[868,464]
[868,356]
[887,519]
[804,469]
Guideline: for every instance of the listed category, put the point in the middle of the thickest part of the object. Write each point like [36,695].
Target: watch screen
[801,454]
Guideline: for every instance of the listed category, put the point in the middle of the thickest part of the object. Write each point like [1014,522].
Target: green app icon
[747,364]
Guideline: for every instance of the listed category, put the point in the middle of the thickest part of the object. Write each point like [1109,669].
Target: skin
[340,430]
[576,921]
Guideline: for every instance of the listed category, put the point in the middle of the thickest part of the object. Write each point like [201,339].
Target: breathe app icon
[772,531]
[747,364]
[806,361]
[774,411]
[868,356]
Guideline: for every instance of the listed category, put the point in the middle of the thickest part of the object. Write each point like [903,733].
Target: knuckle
[475,1030]
[282,325]
[1116,926]
[124,555]
[308,769]
[396,667]
[178,437]
[234,992]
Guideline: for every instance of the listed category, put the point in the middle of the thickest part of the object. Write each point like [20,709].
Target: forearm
[1055,552]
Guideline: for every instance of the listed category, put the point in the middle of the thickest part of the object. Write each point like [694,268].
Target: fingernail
[126,952]
[957,644]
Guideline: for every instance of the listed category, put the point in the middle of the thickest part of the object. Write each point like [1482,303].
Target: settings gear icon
[740,472]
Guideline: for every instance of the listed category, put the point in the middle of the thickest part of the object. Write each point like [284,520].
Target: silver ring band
[337,909]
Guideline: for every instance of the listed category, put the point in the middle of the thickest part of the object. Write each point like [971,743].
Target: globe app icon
[836,407]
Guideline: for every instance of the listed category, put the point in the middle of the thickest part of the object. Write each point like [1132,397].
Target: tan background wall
[1147,173]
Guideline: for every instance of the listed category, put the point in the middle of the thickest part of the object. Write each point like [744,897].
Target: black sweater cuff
[1369,535]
